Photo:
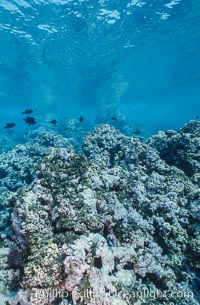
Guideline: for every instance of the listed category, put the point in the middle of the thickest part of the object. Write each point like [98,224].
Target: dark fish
[137,132]
[26,133]
[54,122]
[28,111]
[114,118]
[197,117]
[81,119]
[30,120]
[9,125]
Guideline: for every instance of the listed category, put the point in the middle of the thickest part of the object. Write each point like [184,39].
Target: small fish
[114,118]
[28,111]
[81,119]
[137,132]
[197,117]
[26,133]
[30,120]
[9,125]
[54,122]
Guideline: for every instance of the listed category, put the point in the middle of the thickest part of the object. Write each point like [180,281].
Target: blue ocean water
[65,58]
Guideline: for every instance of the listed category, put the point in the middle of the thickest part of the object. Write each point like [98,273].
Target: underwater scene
[100,152]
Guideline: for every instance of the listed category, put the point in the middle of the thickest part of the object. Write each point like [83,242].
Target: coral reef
[114,116]
[17,170]
[75,130]
[17,165]
[181,148]
[6,143]
[113,225]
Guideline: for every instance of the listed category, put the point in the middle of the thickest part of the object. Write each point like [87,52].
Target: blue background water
[65,58]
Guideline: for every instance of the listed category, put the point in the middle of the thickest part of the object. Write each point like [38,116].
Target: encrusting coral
[116,221]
